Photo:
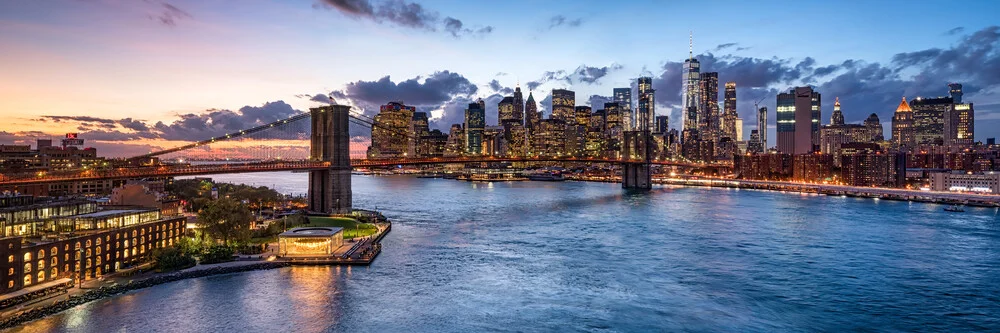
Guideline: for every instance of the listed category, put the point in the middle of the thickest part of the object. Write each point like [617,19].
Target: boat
[547,176]
[954,208]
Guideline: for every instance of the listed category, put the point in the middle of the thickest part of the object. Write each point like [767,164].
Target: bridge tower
[637,172]
[330,189]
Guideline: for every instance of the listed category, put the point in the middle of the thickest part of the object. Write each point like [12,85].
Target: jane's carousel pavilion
[310,241]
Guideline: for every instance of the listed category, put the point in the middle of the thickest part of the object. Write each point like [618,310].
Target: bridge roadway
[177,170]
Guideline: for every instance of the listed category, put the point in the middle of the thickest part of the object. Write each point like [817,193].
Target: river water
[576,256]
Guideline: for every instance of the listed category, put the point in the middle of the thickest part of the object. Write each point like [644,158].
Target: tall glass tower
[623,96]
[691,94]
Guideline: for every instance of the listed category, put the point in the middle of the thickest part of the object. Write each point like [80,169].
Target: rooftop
[312,232]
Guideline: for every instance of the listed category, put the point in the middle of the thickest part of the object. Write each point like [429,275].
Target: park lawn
[352,228]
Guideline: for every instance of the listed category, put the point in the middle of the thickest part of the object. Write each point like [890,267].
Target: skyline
[181,63]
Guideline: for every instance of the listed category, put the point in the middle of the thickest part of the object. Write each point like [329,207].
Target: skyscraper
[392,134]
[708,107]
[623,96]
[646,106]
[729,115]
[874,127]
[928,119]
[531,114]
[518,105]
[762,127]
[505,110]
[475,125]
[563,103]
[662,124]
[955,91]
[837,118]
[902,126]
[691,95]
[798,121]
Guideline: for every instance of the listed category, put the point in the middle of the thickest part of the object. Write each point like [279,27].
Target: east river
[576,256]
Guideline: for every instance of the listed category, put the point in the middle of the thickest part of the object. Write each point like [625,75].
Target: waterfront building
[866,164]
[563,104]
[310,241]
[960,181]
[691,96]
[46,243]
[392,135]
[798,121]
[623,96]
[515,138]
[420,125]
[730,128]
[763,166]
[902,126]
[708,107]
[815,167]
[646,108]
[475,124]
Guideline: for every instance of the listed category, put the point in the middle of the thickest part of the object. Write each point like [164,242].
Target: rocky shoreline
[111,291]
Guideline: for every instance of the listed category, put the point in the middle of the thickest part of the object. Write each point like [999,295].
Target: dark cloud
[220,122]
[169,15]
[401,13]
[499,88]
[132,124]
[721,47]
[955,31]
[453,112]
[434,91]
[583,74]
[559,20]
[454,26]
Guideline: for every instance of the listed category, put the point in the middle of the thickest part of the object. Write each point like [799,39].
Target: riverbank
[946,198]
[365,251]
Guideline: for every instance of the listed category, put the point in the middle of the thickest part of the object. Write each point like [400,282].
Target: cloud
[321,98]
[88,119]
[596,102]
[432,91]
[955,31]
[169,15]
[582,74]
[499,88]
[132,124]
[721,47]
[559,20]
[401,13]
[215,122]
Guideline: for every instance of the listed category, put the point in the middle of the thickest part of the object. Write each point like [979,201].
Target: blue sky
[170,61]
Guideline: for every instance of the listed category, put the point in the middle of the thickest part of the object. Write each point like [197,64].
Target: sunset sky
[131,76]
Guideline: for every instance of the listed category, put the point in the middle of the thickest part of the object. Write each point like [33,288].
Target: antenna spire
[691,45]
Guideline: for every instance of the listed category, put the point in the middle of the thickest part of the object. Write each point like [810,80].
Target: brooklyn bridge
[328,162]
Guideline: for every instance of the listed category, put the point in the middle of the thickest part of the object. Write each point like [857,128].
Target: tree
[227,220]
